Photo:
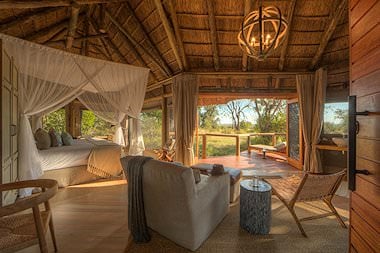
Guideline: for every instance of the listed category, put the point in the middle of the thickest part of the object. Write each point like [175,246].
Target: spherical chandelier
[262,31]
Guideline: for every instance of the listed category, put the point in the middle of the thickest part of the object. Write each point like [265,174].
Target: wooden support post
[247,9]
[102,19]
[197,137]
[204,145]
[248,144]
[274,140]
[86,29]
[165,125]
[237,145]
[72,25]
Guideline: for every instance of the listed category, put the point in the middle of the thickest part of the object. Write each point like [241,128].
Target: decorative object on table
[20,230]
[255,181]
[308,187]
[255,207]
[262,31]
[217,169]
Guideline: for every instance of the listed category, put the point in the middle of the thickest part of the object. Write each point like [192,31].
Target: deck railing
[237,140]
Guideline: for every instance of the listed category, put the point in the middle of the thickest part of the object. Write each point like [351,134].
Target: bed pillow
[67,139]
[43,140]
[56,139]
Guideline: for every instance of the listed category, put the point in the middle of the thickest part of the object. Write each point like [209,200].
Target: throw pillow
[197,175]
[67,139]
[43,140]
[217,169]
[56,139]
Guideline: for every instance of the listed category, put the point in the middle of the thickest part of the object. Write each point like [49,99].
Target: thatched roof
[173,36]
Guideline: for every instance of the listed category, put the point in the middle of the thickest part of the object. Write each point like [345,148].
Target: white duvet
[68,156]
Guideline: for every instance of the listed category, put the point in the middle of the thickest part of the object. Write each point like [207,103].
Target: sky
[329,113]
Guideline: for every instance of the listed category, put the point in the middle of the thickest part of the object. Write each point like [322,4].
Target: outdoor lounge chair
[277,149]
[308,187]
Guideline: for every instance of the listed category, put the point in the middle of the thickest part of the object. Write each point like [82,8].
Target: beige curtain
[185,98]
[311,89]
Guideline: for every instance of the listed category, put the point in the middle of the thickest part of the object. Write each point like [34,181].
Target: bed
[79,163]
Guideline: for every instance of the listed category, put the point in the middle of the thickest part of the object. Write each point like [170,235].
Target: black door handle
[364,172]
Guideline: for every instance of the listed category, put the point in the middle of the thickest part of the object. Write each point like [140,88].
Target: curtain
[49,79]
[185,98]
[311,89]
[136,142]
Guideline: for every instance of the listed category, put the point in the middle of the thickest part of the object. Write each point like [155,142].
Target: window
[92,125]
[151,129]
[336,118]
[55,120]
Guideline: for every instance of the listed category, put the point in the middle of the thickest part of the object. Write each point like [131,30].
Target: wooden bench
[266,148]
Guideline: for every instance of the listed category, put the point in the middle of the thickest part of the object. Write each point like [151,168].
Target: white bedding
[68,156]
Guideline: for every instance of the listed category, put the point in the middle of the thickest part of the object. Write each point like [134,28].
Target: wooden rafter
[155,52]
[335,15]
[137,45]
[28,17]
[214,39]
[169,32]
[101,51]
[72,25]
[83,39]
[4,4]
[247,9]
[102,19]
[49,31]
[284,49]
[177,33]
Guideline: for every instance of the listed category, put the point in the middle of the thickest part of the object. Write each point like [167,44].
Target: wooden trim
[169,32]
[214,39]
[48,3]
[284,50]
[335,15]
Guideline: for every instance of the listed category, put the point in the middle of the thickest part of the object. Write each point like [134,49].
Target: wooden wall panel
[365,84]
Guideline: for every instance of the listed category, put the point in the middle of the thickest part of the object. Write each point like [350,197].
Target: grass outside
[221,146]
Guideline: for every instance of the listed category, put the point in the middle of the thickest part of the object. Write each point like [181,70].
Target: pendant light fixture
[262,31]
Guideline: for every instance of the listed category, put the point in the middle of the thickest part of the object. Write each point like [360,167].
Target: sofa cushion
[197,175]
[67,139]
[43,140]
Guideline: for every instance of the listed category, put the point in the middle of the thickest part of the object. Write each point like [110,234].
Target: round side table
[255,207]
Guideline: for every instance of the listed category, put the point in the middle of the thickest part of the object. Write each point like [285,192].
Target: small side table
[255,207]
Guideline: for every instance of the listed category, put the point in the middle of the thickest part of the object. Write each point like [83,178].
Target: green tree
[55,120]
[92,125]
[271,117]
[236,110]
[151,129]
[209,117]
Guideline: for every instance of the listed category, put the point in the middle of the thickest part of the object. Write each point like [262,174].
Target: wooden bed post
[165,125]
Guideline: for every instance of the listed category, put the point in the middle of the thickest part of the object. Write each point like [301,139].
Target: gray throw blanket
[133,169]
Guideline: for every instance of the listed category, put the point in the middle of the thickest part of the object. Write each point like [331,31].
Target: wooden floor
[272,165]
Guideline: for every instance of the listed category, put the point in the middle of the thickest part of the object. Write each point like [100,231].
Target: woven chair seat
[285,187]
[19,229]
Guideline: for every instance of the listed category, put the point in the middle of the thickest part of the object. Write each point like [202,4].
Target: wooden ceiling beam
[214,39]
[155,53]
[50,30]
[169,32]
[86,29]
[78,39]
[28,17]
[72,25]
[284,49]
[32,4]
[247,9]
[177,33]
[335,15]
[249,75]
[137,45]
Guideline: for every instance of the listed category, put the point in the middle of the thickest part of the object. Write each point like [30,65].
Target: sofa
[178,208]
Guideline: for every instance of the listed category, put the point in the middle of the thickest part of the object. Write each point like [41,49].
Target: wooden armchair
[309,187]
[19,231]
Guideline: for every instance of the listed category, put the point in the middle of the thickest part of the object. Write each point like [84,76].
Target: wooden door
[9,123]
[294,137]
[365,85]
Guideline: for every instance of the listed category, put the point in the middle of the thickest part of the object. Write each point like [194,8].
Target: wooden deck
[273,165]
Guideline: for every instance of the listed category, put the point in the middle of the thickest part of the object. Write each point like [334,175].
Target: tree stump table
[255,207]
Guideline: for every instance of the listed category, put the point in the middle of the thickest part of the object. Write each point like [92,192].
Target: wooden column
[237,145]
[204,145]
[165,121]
[72,25]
